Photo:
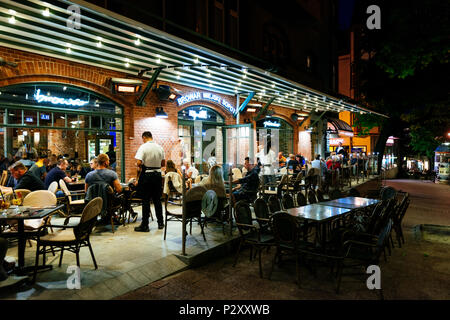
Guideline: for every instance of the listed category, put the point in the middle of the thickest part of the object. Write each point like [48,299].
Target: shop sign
[205,96]
[45,117]
[272,124]
[57,100]
[28,119]
[335,141]
[345,133]
[201,114]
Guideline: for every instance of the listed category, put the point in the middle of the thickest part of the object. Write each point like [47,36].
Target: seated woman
[173,175]
[215,181]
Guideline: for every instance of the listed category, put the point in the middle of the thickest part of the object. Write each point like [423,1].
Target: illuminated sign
[272,124]
[345,133]
[205,96]
[45,117]
[28,119]
[335,141]
[57,100]
[201,114]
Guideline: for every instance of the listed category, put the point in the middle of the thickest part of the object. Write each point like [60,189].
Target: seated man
[58,173]
[249,184]
[39,169]
[25,179]
[191,173]
[103,174]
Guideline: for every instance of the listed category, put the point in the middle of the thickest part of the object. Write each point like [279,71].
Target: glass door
[238,142]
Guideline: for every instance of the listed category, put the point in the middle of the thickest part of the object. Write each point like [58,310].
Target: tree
[403,72]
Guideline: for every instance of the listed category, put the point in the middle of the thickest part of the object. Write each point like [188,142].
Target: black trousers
[150,187]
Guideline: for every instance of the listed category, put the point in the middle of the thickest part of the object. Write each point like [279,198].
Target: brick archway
[52,79]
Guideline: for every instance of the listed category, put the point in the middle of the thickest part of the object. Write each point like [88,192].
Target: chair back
[385,232]
[21,193]
[385,215]
[4,178]
[237,174]
[283,170]
[210,202]
[261,209]
[40,198]
[354,193]
[285,229]
[53,187]
[64,188]
[387,193]
[274,204]
[102,190]
[243,216]
[301,199]
[312,197]
[173,183]
[198,179]
[88,218]
[320,194]
[193,200]
[287,201]
[335,194]
[375,216]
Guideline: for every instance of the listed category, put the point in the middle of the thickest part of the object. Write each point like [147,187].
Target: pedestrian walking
[150,159]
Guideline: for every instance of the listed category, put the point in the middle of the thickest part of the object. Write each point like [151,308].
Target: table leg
[22,242]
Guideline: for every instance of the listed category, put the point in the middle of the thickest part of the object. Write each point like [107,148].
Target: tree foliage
[405,72]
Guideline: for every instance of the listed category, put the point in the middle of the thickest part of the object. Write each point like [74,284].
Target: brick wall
[36,68]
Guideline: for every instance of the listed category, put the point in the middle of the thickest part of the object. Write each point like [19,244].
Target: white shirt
[151,154]
[267,160]
[194,172]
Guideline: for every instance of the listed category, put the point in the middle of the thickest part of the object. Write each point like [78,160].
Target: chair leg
[339,277]
[112,223]
[237,253]
[165,226]
[92,254]
[43,256]
[77,253]
[61,257]
[36,263]
[201,226]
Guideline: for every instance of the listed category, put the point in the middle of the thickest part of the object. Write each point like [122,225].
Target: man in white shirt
[150,159]
[319,164]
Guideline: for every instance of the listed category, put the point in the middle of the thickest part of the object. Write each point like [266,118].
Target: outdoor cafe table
[20,214]
[350,202]
[321,215]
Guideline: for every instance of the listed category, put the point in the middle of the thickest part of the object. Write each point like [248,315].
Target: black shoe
[142,228]
[160,226]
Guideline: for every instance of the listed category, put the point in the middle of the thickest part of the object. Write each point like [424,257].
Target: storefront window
[201,113]
[273,127]
[61,120]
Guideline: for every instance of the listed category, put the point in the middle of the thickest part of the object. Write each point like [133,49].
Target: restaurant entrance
[205,139]
[61,120]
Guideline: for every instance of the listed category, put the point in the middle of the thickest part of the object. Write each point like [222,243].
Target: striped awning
[109,40]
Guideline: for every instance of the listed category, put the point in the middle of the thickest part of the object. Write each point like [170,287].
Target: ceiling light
[244,69]
[46,12]
[64,88]
[244,76]
[251,109]
[160,113]
[196,60]
[137,41]
[99,44]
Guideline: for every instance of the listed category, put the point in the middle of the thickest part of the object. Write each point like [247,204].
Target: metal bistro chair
[249,233]
[274,204]
[71,238]
[4,178]
[193,206]
[72,205]
[312,197]
[287,201]
[301,199]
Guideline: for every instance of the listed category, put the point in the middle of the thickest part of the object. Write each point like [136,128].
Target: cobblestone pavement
[419,270]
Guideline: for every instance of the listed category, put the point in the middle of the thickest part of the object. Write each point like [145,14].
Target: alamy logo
[74,20]
[374,20]
[74,280]
[374,280]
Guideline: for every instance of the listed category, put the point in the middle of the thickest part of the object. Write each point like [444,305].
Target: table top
[317,212]
[350,202]
[24,212]
[81,181]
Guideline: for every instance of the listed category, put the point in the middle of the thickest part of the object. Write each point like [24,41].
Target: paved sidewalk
[419,270]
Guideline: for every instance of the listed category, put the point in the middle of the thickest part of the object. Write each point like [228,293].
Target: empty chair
[71,237]
[287,201]
[301,199]
[249,233]
[320,195]
[262,212]
[71,203]
[53,187]
[312,197]
[387,193]
[274,204]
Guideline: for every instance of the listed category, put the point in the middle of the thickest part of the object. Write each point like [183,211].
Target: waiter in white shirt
[150,159]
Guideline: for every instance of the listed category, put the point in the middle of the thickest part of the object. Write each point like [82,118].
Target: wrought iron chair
[312,197]
[71,237]
[249,233]
[287,201]
[274,204]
